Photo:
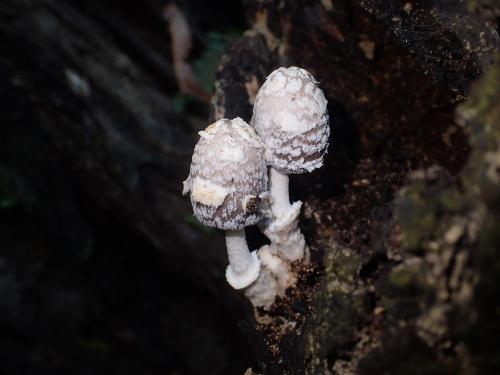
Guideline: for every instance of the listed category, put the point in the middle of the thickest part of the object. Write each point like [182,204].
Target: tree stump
[395,218]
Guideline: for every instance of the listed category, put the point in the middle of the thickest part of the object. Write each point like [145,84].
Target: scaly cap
[291,118]
[228,175]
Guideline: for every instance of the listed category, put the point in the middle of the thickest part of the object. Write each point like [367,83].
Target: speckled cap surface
[291,118]
[228,175]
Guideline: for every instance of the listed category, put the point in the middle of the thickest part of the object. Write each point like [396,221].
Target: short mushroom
[290,116]
[227,179]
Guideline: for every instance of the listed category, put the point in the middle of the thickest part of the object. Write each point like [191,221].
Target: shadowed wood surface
[386,216]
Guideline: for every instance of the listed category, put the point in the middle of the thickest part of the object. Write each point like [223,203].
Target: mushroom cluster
[231,187]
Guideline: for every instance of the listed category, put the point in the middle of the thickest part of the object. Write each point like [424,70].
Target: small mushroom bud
[291,118]
[227,179]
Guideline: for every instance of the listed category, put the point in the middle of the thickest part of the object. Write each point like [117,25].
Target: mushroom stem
[244,266]
[278,188]
[237,250]
[283,230]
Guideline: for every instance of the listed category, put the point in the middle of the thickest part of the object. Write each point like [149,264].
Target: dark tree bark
[395,217]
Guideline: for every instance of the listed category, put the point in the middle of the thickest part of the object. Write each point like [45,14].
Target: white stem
[278,187]
[237,250]
[244,266]
[283,230]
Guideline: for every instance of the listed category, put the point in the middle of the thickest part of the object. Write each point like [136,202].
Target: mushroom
[226,182]
[291,118]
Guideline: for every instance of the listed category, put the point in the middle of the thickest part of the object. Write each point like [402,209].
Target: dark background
[83,290]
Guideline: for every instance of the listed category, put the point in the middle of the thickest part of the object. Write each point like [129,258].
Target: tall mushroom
[227,179]
[291,118]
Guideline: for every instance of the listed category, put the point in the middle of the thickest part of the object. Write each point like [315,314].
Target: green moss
[416,217]
[405,292]
[339,306]
[402,277]
[482,105]
[349,312]
[345,267]
[418,229]
[477,322]
[452,200]
[206,66]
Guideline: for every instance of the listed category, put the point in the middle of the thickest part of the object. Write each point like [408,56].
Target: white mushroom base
[263,291]
[278,267]
[275,277]
[240,280]
[287,245]
[285,236]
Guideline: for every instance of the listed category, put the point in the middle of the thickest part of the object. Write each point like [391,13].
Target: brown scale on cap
[291,117]
[228,175]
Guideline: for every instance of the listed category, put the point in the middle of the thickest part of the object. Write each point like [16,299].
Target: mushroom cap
[228,175]
[291,118]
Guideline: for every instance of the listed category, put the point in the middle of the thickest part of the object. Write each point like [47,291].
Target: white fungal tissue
[228,166]
[207,193]
[291,118]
